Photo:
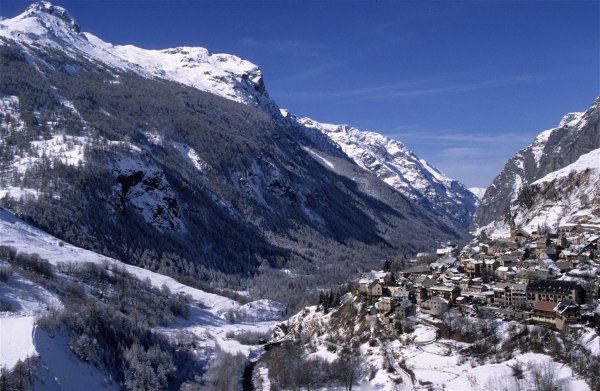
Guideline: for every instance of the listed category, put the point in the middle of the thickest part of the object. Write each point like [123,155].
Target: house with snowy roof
[567,313]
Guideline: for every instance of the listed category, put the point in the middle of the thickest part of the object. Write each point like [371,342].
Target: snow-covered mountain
[400,168]
[44,25]
[533,184]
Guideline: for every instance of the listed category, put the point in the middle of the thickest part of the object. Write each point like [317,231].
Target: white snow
[571,119]
[58,368]
[150,194]
[16,341]
[9,109]
[262,310]
[577,187]
[190,155]
[320,158]
[69,150]
[539,143]
[591,341]
[17,192]
[590,160]
[478,192]
[221,74]
[15,232]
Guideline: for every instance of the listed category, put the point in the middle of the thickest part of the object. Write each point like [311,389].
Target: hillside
[552,150]
[43,293]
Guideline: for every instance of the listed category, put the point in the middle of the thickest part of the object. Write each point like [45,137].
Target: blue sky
[463,84]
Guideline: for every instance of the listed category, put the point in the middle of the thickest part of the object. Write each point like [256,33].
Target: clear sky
[463,84]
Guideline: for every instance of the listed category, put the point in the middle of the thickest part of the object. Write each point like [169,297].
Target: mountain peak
[56,11]
[570,117]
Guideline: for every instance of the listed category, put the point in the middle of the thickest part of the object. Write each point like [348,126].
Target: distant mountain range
[400,168]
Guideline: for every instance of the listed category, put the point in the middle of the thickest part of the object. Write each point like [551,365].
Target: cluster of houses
[534,277]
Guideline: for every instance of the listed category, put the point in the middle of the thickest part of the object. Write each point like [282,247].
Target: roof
[552,286]
[379,274]
[518,287]
[444,288]
[565,305]
[373,283]
[406,303]
[544,305]
[400,293]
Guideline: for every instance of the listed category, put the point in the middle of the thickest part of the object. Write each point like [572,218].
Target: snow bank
[16,341]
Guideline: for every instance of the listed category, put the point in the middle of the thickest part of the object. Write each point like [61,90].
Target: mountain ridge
[577,134]
[239,80]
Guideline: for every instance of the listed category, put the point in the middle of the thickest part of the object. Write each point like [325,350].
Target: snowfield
[16,339]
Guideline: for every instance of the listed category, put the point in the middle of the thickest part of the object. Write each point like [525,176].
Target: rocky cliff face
[576,135]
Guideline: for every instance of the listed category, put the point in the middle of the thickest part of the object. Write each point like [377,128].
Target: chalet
[518,235]
[383,277]
[562,240]
[564,266]
[507,260]
[488,267]
[391,290]
[375,289]
[553,291]
[416,271]
[435,306]
[567,312]
[568,255]
[501,292]
[425,281]
[527,276]
[511,295]
[401,295]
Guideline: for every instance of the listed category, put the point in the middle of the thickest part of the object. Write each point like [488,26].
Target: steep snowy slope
[567,196]
[552,150]
[400,168]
